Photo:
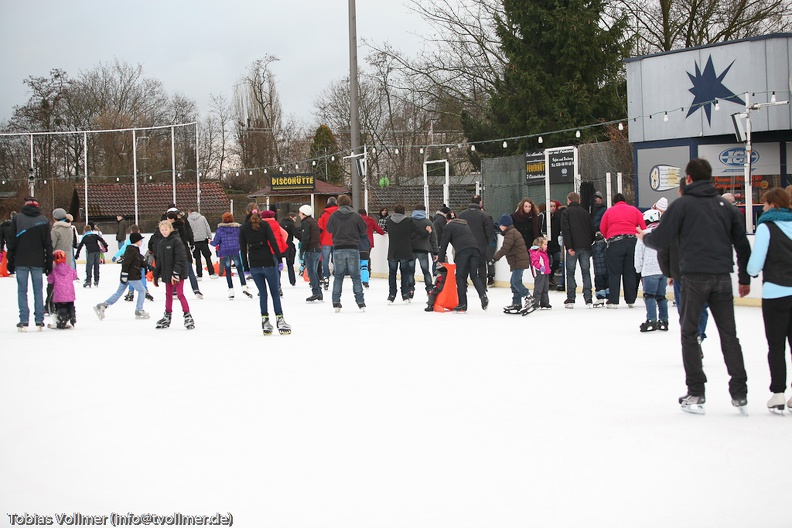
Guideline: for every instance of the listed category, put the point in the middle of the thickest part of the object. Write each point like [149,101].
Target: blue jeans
[136,285]
[702,325]
[92,265]
[654,287]
[406,281]
[347,261]
[584,257]
[715,290]
[240,272]
[519,290]
[327,252]
[423,261]
[311,259]
[22,273]
[263,277]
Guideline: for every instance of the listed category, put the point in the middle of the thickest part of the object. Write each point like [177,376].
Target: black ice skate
[649,326]
[742,404]
[512,309]
[315,298]
[189,323]
[165,321]
[692,404]
[529,305]
[129,297]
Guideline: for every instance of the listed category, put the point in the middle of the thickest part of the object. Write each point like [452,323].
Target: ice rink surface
[389,418]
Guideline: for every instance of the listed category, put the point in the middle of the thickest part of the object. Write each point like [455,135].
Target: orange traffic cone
[448,298]
[3,264]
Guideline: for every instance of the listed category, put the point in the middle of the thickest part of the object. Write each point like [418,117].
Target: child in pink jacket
[541,265]
[62,279]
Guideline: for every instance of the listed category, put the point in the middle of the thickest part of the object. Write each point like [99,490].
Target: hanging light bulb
[280,168]
[265,171]
[374,150]
[541,140]
[472,148]
[448,150]
[505,144]
[772,98]
[237,173]
[296,167]
[332,158]
[397,151]
[421,151]
[621,126]
[717,105]
[313,163]
[665,117]
[577,133]
[250,173]
[117,179]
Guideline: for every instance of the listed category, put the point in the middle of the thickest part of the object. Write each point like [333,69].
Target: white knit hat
[661,204]
[307,210]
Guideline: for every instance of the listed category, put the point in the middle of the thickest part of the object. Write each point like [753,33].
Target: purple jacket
[62,278]
[227,238]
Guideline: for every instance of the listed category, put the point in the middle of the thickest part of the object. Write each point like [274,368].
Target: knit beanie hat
[135,237]
[661,204]
[505,220]
[307,210]
[59,214]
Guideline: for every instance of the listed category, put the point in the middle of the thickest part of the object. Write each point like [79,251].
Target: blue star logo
[708,87]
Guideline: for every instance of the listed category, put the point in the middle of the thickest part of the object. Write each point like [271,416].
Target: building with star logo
[680,106]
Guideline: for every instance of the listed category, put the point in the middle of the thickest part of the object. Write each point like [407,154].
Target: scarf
[776,215]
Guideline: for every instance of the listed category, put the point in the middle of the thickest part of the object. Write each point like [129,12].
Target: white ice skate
[776,403]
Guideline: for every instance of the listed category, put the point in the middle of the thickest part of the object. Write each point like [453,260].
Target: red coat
[621,219]
[372,226]
[326,238]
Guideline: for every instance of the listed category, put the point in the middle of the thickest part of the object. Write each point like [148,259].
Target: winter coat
[621,219]
[771,253]
[31,243]
[346,227]
[123,227]
[645,259]
[458,234]
[596,216]
[372,226]
[539,260]
[91,242]
[423,244]
[186,235]
[257,246]
[326,238]
[401,229]
[513,248]
[707,227]
[227,238]
[290,227]
[309,235]
[62,279]
[528,226]
[6,234]
[555,223]
[480,224]
[133,263]
[200,227]
[171,258]
[63,239]
[576,227]
[438,224]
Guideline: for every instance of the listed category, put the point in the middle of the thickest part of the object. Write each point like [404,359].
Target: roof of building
[109,200]
[322,187]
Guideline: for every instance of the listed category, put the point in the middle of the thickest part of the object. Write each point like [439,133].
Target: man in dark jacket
[401,229]
[481,226]
[438,223]
[310,250]
[287,224]
[578,233]
[346,228]
[121,230]
[30,255]
[707,227]
[467,255]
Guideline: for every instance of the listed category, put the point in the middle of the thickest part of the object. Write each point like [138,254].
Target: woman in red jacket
[618,226]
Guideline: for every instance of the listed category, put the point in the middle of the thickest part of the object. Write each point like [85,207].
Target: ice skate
[22,327]
[569,303]
[662,325]
[337,307]
[326,283]
[129,297]
[529,305]
[247,292]
[512,308]
[189,322]
[315,298]
[391,298]
[649,326]
[599,302]
[100,310]
[692,404]
[142,314]
[742,405]
[59,326]
[149,297]
[283,326]
[198,294]
[484,302]
[40,326]
[230,294]
[776,403]
[362,307]
[406,299]
[461,308]
[266,326]
[280,291]
[165,321]
[87,284]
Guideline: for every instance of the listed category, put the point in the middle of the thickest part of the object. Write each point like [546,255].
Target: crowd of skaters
[626,247]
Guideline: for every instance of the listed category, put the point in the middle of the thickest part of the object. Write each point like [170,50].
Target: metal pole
[134,172]
[619,183]
[426,185]
[173,162]
[85,169]
[608,184]
[365,178]
[32,180]
[353,102]
[197,172]
[747,167]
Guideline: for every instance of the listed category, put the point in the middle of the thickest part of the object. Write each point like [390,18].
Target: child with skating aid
[439,284]
[653,281]
[131,276]
[540,261]
[519,260]
[171,267]
[62,279]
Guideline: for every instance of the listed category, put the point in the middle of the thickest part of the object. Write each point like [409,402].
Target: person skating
[346,228]
[131,277]
[513,248]
[94,244]
[62,280]
[171,268]
[226,240]
[310,251]
[652,279]
[458,234]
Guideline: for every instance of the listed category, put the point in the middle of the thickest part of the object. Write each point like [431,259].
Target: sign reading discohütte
[294,182]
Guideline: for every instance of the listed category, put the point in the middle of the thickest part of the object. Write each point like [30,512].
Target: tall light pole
[353,103]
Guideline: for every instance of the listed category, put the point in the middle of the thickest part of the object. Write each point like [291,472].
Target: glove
[113,259]
[175,281]
[280,266]
[124,277]
[543,270]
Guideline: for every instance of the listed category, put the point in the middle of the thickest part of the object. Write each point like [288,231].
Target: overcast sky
[196,47]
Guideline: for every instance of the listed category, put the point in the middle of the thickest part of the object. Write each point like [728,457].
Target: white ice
[389,418]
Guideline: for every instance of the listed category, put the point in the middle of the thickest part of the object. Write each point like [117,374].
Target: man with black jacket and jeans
[707,228]
[480,224]
[578,233]
[30,254]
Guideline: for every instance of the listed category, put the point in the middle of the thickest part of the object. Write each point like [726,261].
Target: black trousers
[621,269]
[777,315]
[467,263]
[202,248]
[716,290]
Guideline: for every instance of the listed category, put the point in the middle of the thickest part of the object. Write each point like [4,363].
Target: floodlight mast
[748,190]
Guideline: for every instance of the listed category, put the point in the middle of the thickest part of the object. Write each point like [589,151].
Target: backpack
[280,235]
